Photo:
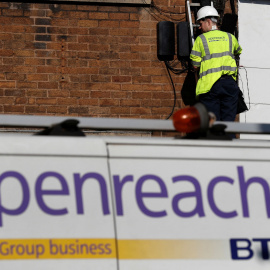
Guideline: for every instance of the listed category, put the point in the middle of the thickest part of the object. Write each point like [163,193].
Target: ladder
[191,25]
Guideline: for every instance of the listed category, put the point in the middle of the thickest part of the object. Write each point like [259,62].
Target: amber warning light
[193,119]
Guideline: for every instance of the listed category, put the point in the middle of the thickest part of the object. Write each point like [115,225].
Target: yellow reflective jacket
[214,52]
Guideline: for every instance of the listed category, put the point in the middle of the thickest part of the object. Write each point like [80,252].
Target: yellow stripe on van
[31,249]
[174,249]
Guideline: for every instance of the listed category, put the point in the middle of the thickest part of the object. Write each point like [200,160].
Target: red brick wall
[84,60]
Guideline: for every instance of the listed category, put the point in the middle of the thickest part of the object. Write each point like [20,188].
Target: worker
[213,56]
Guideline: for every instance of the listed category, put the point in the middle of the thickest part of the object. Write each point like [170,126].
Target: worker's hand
[194,69]
[237,58]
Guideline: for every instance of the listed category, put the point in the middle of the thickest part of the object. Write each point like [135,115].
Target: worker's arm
[237,50]
[196,57]
[196,71]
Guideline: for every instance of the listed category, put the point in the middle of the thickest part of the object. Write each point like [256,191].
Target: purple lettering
[72,249]
[4,249]
[140,195]
[30,250]
[118,185]
[53,248]
[92,249]
[39,250]
[244,187]
[197,194]
[103,191]
[108,248]
[211,199]
[20,250]
[40,192]
[25,198]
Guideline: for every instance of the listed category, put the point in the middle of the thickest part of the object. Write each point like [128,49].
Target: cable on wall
[246,73]
[171,67]
[174,92]
[160,14]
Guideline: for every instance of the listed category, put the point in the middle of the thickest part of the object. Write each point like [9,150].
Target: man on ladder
[213,54]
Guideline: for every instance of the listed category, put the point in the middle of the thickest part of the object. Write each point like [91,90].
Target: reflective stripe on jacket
[214,52]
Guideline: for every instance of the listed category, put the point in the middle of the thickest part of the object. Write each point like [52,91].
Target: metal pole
[190,22]
[33,121]
[87,122]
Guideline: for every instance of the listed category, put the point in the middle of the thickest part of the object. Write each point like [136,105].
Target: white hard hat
[206,11]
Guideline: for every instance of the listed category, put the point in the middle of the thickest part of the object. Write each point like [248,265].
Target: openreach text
[119,183]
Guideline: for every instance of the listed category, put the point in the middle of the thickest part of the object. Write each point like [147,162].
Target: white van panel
[52,213]
[180,205]
[128,203]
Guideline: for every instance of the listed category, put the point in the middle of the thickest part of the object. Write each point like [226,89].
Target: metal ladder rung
[195,4]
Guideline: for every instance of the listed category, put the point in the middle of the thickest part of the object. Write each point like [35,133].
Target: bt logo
[241,248]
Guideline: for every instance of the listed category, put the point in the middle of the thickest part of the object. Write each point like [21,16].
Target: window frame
[116,2]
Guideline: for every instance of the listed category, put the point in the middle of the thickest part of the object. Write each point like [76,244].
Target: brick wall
[84,60]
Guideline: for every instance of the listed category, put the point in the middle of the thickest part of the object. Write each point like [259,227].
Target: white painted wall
[254,79]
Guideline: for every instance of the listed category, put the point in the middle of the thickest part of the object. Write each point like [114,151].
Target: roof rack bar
[246,128]
[87,122]
[30,121]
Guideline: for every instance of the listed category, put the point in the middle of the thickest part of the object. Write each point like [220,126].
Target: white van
[129,203]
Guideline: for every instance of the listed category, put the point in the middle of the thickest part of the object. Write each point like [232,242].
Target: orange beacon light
[192,119]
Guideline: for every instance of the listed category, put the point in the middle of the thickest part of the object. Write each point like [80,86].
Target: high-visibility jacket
[214,52]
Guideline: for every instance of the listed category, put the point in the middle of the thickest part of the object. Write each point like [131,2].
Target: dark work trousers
[222,99]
